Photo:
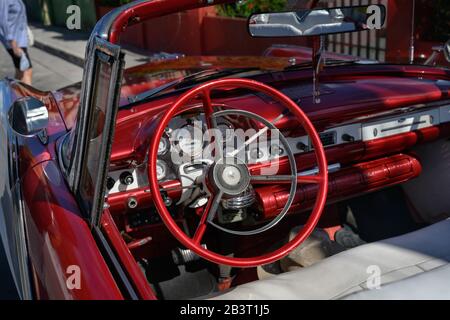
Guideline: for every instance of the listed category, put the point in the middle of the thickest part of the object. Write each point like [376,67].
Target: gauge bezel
[166,147]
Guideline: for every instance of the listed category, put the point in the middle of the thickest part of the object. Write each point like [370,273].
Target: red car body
[58,235]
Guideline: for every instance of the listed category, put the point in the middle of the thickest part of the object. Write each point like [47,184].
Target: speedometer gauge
[161,170]
[190,140]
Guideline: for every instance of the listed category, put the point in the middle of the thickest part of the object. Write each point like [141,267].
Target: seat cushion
[348,272]
[430,285]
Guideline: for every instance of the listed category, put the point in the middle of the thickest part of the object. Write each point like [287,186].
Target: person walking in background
[14,36]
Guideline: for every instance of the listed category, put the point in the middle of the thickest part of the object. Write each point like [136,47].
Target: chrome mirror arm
[318,63]
[437,51]
[431,61]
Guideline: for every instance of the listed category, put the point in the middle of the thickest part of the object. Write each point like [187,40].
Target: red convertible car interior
[295,174]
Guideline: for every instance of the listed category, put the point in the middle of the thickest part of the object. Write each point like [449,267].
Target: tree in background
[113,3]
[244,9]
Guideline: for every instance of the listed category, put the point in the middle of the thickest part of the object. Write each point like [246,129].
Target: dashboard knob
[348,138]
[127,178]
[301,146]
[110,182]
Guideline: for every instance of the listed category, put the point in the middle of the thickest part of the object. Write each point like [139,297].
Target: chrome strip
[331,168]
[11,205]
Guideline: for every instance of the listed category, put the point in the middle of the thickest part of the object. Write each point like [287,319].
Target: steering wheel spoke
[211,123]
[271,179]
[207,104]
[286,179]
[209,213]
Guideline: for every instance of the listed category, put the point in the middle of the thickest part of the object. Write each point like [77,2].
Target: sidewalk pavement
[71,45]
[58,57]
[49,72]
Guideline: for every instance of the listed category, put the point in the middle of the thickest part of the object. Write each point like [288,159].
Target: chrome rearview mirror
[435,57]
[28,116]
[447,50]
[317,22]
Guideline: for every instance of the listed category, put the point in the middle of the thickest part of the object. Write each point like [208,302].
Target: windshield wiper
[189,80]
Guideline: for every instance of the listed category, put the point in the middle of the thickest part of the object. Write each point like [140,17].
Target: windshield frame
[74,150]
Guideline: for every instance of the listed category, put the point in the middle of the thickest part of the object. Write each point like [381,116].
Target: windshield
[203,44]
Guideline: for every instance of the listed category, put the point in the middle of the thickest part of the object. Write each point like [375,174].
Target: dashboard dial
[190,140]
[161,170]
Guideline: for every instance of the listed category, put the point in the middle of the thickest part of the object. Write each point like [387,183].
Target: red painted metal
[301,118]
[137,276]
[357,91]
[362,151]
[119,201]
[349,182]
[347,155]
[153,9]
[58,238]
[301,54]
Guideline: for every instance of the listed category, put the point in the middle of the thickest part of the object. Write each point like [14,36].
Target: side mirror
[28,116]
[447,50]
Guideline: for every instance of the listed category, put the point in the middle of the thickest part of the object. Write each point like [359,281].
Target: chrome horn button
[231,176]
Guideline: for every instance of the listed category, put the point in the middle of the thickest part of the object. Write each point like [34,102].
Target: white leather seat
[430,285]
[411,257]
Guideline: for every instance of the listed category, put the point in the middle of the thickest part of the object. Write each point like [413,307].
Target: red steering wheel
[194,243]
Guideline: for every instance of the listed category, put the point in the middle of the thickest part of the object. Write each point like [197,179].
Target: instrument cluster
[184,141]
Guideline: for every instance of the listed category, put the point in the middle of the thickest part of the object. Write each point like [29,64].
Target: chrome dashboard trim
[331,168]
[444,113]
[400,124]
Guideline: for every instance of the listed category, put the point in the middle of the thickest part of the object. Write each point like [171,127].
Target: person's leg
[24,76]
[19,74]
[16,61]
[27,76]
